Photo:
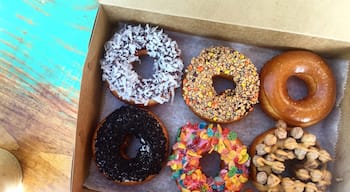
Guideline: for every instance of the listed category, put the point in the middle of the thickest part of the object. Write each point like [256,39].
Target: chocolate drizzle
[124,122]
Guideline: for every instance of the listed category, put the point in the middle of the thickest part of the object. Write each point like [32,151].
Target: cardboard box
[314,25]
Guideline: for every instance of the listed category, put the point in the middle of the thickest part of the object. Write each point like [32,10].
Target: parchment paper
[176,114]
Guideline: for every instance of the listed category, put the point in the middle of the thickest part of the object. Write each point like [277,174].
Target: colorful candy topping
[195,140]
[231,105]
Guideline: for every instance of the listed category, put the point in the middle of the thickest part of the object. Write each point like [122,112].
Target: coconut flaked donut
[125,48]
[110,140]
[281,151]
[231,105]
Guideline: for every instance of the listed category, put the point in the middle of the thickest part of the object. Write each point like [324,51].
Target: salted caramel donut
[231,105]
[281,151]
[110,140]
[123,51]
[196,140]
[310,68]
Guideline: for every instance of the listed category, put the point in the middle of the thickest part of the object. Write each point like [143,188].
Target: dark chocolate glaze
[124,122]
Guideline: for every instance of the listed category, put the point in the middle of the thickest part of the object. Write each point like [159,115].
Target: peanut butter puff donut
[110,140]
[310,68]
[231,105]
[281,151]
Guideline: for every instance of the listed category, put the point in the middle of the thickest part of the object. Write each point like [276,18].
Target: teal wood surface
[43,44]
[47,39]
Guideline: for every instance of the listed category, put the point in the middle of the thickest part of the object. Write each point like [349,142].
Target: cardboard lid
[325,19]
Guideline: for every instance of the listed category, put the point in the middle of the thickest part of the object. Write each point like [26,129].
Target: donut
[110,140]
[231,105]
[124,49]
[196,140]
[289,159]
[310,68]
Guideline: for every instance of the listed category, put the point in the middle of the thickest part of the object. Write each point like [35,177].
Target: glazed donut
[196,140]
[320,82]
[124,49]
[231,105]
[281,151]
[109,143]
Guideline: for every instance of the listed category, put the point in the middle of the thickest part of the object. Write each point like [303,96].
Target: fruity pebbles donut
[196,140]
[231,105]
[125,48]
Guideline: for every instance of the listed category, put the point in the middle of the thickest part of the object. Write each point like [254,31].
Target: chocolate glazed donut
[320,82]
[110,139]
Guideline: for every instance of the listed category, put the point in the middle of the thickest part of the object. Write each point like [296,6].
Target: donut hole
[291,167]
[221,84]
[144,68]
[297,88]
[210,164]
[130,146]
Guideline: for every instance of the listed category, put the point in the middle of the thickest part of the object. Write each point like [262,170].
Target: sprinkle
[209,104]
[202,125]
[203,135]
[172,157]
[220,146]
[200,68]
[210,132]
[232,171]
[183,176]
[176,175]
[243,179]
[232,135]
[218,179]
[181,146]
[193,154]
[176,166]
[243,158]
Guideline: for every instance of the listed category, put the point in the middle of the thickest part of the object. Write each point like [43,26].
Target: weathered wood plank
[43,44]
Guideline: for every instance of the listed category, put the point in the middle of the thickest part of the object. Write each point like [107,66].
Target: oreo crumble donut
[231,105]
[125,48]
[111,138]
[289,159]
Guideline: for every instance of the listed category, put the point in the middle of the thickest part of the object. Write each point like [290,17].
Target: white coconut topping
[118,70]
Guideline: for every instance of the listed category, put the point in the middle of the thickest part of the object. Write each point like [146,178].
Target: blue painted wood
[47,39]
[43,44]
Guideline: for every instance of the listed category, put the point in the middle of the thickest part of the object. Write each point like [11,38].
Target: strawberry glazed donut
[124,49]
[310,68]
[196,140]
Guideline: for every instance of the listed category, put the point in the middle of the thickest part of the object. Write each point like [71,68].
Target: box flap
[325,19]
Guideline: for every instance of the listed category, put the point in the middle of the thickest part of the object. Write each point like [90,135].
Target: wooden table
[43,44]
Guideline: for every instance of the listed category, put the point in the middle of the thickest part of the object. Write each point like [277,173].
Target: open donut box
[319,26]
